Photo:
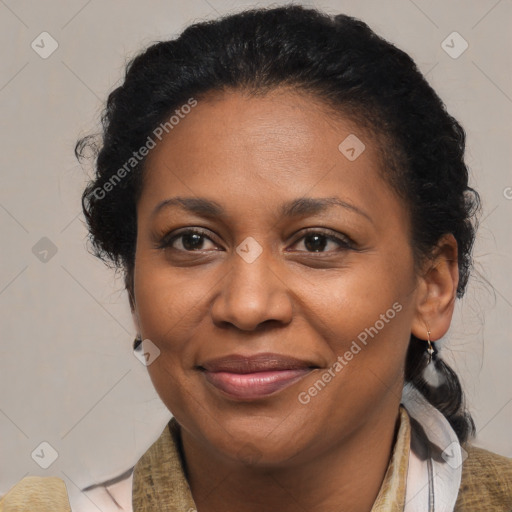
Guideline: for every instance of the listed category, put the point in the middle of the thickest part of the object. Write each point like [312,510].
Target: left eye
[316,241]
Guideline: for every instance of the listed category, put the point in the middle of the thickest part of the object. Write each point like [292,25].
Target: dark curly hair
[340,61]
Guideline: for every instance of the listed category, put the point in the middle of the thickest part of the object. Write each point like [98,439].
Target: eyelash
[344,243]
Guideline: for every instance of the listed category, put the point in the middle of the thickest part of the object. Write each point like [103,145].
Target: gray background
[68,375]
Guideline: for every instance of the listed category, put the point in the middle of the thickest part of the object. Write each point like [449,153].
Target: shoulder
[50,494]
[486,481]
[41,493]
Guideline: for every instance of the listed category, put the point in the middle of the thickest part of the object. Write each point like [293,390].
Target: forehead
[265,147]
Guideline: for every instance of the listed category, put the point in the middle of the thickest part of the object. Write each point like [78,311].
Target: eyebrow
[295,208]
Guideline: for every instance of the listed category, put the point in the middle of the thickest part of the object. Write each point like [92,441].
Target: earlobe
[437,291]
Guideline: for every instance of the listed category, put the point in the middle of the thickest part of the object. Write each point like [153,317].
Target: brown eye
[317,241]
[189,241]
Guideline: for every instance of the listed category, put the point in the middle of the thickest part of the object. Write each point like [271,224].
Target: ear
[437,291]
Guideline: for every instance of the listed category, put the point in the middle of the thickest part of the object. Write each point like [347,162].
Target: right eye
[189,240]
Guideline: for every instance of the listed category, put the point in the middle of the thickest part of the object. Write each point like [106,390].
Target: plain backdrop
[67,372]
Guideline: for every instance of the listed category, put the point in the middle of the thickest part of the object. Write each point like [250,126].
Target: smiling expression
[257,234]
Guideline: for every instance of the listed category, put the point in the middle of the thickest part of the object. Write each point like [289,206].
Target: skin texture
[251,155]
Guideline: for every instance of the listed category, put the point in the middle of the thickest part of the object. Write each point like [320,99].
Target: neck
[347,477]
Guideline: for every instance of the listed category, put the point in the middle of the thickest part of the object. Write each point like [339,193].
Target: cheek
[168,316]
[373,297]
[172,311]
[368,343]
[166,299]
[366,318]
[370,336]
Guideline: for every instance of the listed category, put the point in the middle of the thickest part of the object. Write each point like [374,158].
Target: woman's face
[303,251]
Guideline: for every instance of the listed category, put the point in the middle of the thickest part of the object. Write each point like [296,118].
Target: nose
[252,294]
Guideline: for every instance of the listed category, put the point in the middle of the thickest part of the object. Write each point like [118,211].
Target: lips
[256,376]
